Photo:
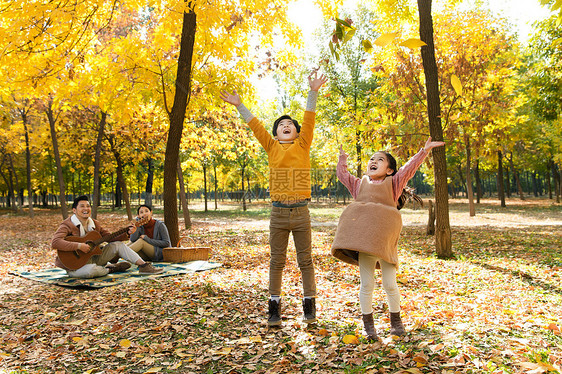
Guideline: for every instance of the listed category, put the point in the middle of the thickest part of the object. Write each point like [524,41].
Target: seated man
[79,225]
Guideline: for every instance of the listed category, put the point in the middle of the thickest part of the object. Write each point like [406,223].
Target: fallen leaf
[350,339]
[125,343]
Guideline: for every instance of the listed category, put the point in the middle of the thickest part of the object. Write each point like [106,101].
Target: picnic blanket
[59,277]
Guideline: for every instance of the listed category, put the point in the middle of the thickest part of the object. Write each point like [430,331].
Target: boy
[288,153]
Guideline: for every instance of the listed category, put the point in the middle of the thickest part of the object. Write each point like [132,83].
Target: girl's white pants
[367,264]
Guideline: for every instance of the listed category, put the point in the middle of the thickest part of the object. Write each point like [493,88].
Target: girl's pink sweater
[399,180]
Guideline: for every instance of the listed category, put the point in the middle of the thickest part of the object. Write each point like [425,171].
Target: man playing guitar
[79,225]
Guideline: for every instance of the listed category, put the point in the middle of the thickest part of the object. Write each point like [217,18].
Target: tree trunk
[516,176]
[97,158]
[548,183]
[249,188]
[123,185]
[149,180]
[557,182]
[443,230]
[183,199]
[27,163]
[243,191]
[121,176]
[507,183]
[205,185]
[58,163]
[177,116]
[501,193]
[535,187]
[15,184]
[469,193]
[9,183]
[478,181]
[216,187]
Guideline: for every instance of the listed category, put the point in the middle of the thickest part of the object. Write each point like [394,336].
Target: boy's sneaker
[309,309]
[274,313]
[147,268]
[118,267]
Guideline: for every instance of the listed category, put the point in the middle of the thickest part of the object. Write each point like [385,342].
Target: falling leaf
[385,39]
[457,85]
[367,46]
[350,339]
[412,43]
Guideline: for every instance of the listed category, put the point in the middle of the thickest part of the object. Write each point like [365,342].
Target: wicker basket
[186,250]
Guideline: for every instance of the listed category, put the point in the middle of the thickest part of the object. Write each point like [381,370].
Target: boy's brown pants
[283,222]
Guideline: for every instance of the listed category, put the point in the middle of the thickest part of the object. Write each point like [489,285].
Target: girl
[368,230]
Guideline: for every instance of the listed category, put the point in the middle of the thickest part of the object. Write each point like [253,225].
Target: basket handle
[185,237]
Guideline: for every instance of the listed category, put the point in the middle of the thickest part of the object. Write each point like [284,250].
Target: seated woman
[150,238]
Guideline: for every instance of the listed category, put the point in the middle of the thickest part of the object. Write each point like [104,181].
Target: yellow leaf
[413,371]
[176,365]
[385,39]
[222,351]
[350,339]
[323,332]
[76,338]
[412,43]
[457,85]
[256,338]
[367,46]
[154,370]
[125,343]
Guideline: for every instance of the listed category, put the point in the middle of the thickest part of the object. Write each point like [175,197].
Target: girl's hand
[342,152]
[429,145]
[314,82]
[231,98]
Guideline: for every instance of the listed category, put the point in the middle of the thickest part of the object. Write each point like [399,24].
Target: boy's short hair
[284,116]
[78,199]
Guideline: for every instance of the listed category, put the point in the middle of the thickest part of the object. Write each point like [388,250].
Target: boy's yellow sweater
[289,164]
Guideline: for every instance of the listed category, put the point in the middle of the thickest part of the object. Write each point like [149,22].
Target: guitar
[76,259]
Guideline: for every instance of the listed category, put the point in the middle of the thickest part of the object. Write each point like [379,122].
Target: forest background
[88,89]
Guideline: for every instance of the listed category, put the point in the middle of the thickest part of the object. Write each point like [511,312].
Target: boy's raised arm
[314,82]
[234,99]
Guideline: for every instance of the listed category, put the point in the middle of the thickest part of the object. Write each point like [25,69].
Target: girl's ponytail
[408,195]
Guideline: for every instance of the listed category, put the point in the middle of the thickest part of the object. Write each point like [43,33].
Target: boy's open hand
[314,82]
[231,98]
[429,145]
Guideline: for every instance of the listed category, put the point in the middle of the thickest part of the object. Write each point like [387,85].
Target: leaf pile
[495,308]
